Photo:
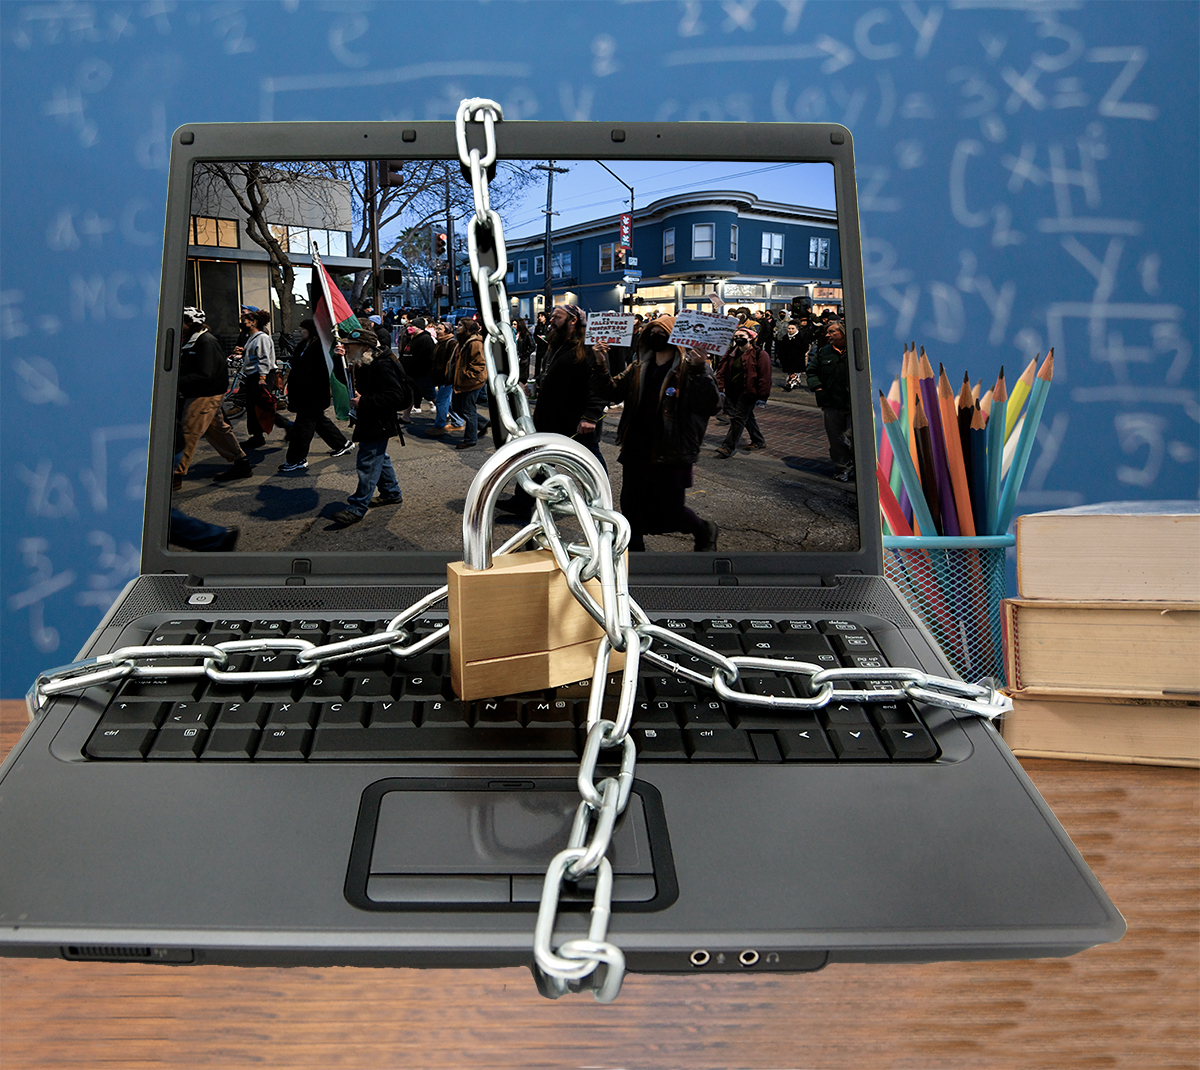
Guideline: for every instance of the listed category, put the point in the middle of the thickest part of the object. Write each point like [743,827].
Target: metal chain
[592,961]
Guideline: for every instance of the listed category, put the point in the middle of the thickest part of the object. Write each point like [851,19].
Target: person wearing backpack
[379,395]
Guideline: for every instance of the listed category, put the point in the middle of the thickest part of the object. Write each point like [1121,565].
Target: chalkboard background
[1027,179]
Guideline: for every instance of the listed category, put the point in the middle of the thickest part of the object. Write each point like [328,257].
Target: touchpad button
[489,847]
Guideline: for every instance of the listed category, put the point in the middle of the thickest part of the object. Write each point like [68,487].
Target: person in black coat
[829,379]
[379,394]
[203,380]
[668,396]
[792,344]
[309,399]
[418,360]
[567,401]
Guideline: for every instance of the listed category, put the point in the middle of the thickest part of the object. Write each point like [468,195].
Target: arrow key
[909,742]
[857,743]
[804,743]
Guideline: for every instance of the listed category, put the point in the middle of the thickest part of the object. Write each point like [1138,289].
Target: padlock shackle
[507,461]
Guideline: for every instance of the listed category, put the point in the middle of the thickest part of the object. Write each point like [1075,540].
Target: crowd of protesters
[409,369]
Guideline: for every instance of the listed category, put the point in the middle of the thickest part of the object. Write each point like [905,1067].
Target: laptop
[367,816]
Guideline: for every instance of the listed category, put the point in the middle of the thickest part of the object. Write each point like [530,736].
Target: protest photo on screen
[682,320]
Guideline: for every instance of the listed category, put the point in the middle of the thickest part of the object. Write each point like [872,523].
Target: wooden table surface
[1132,1004]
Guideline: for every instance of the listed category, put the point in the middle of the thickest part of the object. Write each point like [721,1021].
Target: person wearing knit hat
[568,399]
[744,376]
[378,396]
[668,396]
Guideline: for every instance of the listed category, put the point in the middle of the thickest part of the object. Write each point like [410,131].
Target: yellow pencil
[1016,399]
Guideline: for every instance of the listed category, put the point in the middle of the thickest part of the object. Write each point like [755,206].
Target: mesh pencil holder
[955,586]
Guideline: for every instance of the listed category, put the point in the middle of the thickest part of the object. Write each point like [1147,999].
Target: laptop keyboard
[379,708]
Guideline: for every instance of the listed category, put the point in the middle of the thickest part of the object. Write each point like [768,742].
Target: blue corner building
[754,253]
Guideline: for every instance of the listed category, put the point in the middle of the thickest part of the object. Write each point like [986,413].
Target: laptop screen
[262,445]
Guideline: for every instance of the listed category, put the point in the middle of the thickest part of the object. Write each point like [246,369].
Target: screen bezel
[611,142]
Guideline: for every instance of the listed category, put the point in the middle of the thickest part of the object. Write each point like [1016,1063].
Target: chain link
[560,486]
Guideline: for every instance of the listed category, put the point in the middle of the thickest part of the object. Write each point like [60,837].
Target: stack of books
[1102,648]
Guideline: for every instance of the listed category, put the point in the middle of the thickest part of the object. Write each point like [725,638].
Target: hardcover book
[1146,551]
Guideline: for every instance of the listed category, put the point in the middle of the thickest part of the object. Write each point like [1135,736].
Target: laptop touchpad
[490,847]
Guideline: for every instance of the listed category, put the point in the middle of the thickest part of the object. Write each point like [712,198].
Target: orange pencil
[954,455]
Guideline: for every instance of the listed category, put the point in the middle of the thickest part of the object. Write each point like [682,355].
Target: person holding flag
[331,314]
[309,398]
[379,394]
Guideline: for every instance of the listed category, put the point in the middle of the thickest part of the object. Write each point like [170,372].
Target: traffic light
[621,253]
[391,173]
[439,246]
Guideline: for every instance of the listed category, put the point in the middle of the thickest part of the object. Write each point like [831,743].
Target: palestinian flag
[332,314]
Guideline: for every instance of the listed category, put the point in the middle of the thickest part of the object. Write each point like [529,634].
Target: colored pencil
[1033,417]
[910,381]
[978,469]
[895,401]
[995,452]
[954,454]
[1016,399]
[937,442]
[889,505]
[929,485]
[966,409]
[985,403]
[1010,448]
[908,471]
[885,451]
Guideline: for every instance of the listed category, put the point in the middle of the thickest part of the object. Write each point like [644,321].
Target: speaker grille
[169,594]
[855,594]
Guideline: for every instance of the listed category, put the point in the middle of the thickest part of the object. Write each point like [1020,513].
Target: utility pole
[373,215]
[548,289]
[451,273]
[629,249]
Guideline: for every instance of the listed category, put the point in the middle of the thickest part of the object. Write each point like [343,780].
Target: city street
[782,498]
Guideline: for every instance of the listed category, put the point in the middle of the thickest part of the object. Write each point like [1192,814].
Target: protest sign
[705,331]
[615,328]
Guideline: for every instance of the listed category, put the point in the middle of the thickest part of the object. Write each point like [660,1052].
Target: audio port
[699,958]
[748,958]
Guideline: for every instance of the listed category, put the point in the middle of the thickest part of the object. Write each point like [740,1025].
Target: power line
[657,192]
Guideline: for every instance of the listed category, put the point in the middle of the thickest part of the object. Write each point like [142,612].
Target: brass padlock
[515,625]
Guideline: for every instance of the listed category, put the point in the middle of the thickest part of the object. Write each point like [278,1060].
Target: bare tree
[404,211]
[269,196]
[332,195]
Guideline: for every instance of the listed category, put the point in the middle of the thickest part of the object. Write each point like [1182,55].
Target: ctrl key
[127,743]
